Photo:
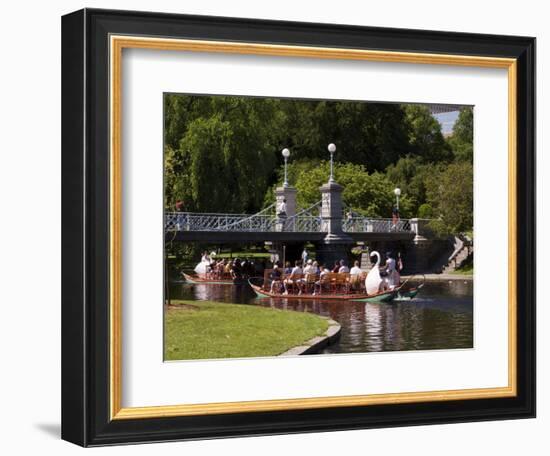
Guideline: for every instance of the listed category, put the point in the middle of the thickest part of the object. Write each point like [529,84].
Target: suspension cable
[271,206]
[303,211]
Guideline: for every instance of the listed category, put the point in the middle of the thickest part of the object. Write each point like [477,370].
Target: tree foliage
[219,152]
[223,154]
[450,193]
[369,194]
[462,139]
[366,133]
[412,175]
[425,136]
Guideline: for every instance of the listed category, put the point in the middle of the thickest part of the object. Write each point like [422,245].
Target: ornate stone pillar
[288,194]
[336,243]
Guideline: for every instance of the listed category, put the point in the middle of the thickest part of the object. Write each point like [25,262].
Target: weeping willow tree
[219,152]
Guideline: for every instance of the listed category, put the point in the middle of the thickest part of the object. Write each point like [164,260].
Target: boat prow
[407,295]
[193,279]
[382,296]
[188,278]
[260,292]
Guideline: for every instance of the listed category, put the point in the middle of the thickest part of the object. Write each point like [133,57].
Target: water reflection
[440,317]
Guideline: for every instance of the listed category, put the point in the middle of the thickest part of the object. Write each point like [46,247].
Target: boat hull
[407,295]
[199,280]
[380,297]
[386,296]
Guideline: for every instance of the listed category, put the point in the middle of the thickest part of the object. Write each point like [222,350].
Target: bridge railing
[256,223]
[188,221]
[372,225]
[303,224]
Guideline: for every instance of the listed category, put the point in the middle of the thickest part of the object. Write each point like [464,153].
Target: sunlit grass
[209,330]
[467,267]
[465,270]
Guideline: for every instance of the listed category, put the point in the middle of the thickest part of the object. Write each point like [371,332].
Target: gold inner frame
[117,44]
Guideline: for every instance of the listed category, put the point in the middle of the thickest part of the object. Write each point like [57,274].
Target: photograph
[316,227]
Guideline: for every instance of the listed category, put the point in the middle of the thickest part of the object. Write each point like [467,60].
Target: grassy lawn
[208,330]
[465,270]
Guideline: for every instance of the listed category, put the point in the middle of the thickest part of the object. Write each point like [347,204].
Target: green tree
[410,174]
[222,153]
[176,177]
[462,139]
[425,137]
[372,134]
[225,155]
[425,211]
[450,193]
[367,194]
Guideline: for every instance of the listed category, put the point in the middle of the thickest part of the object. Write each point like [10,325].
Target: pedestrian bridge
[189,226]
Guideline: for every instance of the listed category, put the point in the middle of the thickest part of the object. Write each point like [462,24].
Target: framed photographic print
[277,227]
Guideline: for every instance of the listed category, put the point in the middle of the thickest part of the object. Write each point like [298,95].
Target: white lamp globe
[286,153]
[331,148]
[397,192]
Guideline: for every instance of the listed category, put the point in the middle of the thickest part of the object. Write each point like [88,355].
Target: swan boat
[383,296]
[401,293]
[197,279]
[341,288]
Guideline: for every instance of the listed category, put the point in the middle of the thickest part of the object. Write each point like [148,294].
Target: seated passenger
[288,268]
[343,268]
[294,277]
[308,269]
[227,268]
[316,269]
[276,283]
[355,275]
[318,289]
[309,275]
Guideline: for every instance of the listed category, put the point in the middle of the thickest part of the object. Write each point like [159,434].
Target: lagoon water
[440,317]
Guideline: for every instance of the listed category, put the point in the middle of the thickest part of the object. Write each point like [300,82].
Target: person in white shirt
[319,284]
[281,214]
[355,275]
[343,267]
[356,270]
[309,273]
[281,210]
[294,277]
[309,269]
[394,278]
[316,268]
[304,256]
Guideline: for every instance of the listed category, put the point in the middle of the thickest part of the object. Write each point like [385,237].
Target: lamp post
[331,149]
[397,193]
[286,153]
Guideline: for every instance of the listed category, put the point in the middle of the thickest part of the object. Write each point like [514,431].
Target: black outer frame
[85,227]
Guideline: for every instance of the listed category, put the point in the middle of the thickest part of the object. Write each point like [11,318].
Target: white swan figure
[202,267]
[373,280]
